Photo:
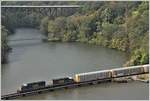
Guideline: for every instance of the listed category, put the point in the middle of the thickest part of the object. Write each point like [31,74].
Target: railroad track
[45,89]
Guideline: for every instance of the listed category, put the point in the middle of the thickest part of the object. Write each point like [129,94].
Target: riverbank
[131,79]
[142,78]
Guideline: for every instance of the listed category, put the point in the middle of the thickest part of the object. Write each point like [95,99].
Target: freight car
[32,86]
[127,71]
[120,72]
[136,70]
[97,75]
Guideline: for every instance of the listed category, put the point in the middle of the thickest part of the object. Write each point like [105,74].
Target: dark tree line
[4,45]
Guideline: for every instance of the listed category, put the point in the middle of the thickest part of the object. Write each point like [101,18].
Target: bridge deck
[49,6]
[26,39]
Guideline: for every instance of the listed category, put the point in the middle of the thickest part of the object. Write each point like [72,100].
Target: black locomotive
[32,86]
[63,81]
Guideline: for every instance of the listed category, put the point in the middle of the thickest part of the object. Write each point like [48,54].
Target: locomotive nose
[19,89]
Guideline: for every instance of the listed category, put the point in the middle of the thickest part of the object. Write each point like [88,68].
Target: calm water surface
[32,60]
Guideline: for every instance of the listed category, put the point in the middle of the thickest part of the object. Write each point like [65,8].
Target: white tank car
[92,76]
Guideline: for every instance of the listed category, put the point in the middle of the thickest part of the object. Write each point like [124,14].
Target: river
[33,60]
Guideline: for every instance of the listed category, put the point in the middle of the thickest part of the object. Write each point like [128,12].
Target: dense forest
[114,24]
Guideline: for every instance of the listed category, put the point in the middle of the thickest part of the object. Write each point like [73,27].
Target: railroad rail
[44,6]
[47,88]
[52,88]
[24,39]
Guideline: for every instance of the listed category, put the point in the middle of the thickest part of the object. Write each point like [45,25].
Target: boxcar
[32,86]
[125,71]
[136,70]
[97,75]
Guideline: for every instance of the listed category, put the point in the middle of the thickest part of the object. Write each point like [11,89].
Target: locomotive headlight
[70,77]
[24,84]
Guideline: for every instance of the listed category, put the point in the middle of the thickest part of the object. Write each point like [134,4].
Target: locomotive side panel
[62,81]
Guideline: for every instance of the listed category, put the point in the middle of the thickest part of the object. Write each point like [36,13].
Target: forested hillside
[114,24]
[119,25]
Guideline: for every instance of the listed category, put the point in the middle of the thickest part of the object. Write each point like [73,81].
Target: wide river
[33,60]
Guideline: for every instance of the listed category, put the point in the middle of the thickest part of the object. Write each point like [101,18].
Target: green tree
[44,25]
[57,27]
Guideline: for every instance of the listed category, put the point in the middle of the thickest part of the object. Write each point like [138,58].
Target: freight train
[84,77]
